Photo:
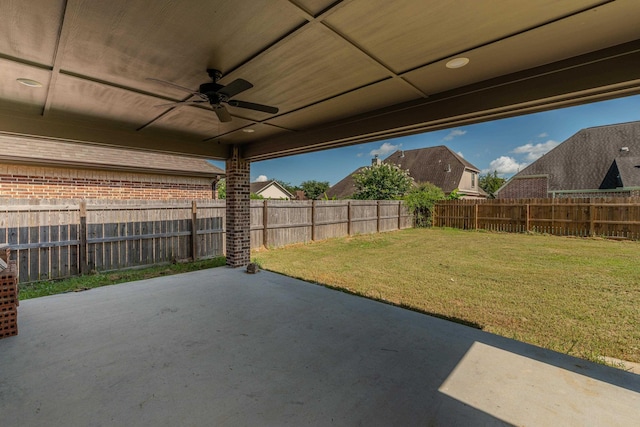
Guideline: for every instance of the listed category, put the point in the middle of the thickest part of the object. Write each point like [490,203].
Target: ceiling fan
[216,94]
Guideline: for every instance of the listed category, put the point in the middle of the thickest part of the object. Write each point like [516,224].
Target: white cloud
[359,154]
[505,166]
[385,149]
[534,152]
[459,153]
[262,178]
[454,133]
[543,135]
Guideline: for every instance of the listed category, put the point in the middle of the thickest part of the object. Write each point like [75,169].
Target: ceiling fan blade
[175,86]
[235,87]
[222,113]
[252,106]
[180,103]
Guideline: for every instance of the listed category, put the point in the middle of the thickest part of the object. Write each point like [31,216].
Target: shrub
[420,201]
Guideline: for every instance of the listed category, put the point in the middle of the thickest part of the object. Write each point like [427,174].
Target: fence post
[349,218]
[592,218]
[378,216]
[527,219]
[84,266]
[265,220]
[434,216]
[399,214]
[475,216]
[194,230]
[313,220]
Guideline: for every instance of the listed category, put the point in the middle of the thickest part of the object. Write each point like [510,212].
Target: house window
[473,180]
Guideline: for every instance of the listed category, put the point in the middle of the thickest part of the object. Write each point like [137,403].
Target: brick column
[238,211]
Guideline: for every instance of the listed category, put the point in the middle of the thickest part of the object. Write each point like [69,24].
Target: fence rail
[617,218]
[53,239]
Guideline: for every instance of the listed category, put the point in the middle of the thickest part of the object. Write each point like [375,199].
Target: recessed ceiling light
[248,130]
[30,83]
[458,62]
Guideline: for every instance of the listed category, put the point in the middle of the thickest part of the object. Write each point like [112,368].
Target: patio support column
[238,223]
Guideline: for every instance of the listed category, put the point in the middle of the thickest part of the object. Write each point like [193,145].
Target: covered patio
[220,347]
[223,347]
[252,80]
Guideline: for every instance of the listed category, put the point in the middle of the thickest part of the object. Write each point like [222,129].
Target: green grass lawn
[75,284]
[573,295]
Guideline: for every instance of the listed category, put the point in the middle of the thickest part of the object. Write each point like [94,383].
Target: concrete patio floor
[221,347]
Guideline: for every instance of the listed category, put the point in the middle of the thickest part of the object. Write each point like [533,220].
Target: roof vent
[624,149]
[448,168]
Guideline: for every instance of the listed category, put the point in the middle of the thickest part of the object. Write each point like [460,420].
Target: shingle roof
[583,161]
[345,187]
[629,170]
[70,154]
[254,187]
[438,165]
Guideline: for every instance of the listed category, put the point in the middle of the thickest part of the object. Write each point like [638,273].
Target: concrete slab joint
[238,215]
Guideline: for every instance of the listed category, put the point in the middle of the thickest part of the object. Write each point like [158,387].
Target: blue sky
[504,145]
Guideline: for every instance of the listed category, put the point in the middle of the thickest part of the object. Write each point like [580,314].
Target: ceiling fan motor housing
[211,91]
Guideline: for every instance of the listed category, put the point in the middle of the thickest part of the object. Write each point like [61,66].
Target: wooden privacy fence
[60,238]
[605,217]
[290,222]
[52,239]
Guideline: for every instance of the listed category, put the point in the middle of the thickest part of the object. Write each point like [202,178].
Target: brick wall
[31,182]
[525,188]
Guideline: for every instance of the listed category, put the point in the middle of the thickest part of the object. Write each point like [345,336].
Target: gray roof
[629,171]
[437,165]
[48,152]
[585,161]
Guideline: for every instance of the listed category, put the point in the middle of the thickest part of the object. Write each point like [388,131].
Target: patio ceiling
[340,72]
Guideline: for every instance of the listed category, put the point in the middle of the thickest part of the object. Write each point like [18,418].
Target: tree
[382,182]
[314,189]
[491,183]
[222,189]
[420,201]
[454,195]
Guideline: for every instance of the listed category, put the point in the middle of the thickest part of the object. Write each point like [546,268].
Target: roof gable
[584,161]
[259,187]
[629,171]
[437,165]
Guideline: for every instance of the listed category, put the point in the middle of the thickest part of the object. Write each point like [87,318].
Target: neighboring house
[601,161]
[270,190]
[437,165]
[50,169]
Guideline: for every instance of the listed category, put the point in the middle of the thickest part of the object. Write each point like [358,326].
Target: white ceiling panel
[97,102]
[240,136]
[198,123]
[29,29]
[313,7]
[13,94]
[297,73]
[124,42]
[364,100]
[408,34]
[575,35]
